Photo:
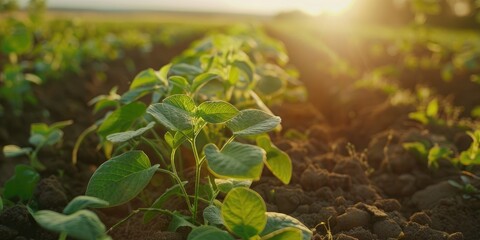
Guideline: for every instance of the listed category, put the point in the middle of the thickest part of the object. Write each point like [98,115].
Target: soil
[350,170]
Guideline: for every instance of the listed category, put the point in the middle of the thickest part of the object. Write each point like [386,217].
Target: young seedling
[123,177]
[75,221]
[41,135]
[22,184]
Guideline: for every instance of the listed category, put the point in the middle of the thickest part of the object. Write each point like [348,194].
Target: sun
[314,7]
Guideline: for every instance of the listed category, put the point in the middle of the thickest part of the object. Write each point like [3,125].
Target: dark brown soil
[350,170]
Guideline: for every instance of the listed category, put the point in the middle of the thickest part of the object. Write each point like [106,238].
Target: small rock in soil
[352,168]
[416,231]
[342,181]
[287,200]
[352,218]
[313,179]
[364,193]
[16,217]
[7,233]
[398,186]
[360,234]
[50,194]
[388,205]
[400,161]
[376,213]
[342,236]
[387,229]
[428,197]
[455,236]
[421,218]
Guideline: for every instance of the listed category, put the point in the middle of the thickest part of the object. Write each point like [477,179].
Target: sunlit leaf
[83,224]
[235,160]
[288,233]
[147,77]
[121,178]
[121,119]
[10,151]
[277,161]
[82,202]
[225,185]
[128,135]
[175,112]
[217,111]
[277,221]
[201,80]
[209,232]
[244,212]
[252,122]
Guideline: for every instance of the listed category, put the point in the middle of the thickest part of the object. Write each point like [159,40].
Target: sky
[268,7]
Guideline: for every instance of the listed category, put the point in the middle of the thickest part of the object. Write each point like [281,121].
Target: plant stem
[182,188]
[79,141]
[198,168]
[133,213]
[62,236]
[228,141]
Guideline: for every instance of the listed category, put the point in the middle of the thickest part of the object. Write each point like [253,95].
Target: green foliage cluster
[202,101]
[22,184]
[38,51]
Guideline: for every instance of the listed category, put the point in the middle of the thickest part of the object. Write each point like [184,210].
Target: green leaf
[269,85]
[82,202]
[235,160]
[180,82]
[417,148]
[10,151]
[19,40]
[83,224]
[175,112]
[179,220]
[277,221]
[432,108]
[135,94]
[277,161]
[174,141]
[246,67]
[201,80]
[213,215]
[183,69]
[121,119]
[216,111]
[61,124]
[436,153]
[22,183]
[475,112]
[41,134]
[225,185]
[128,135]
[252,122]
[145,78]
[121,178]
[158,204]
[163,73]
[243,212]
[288,233]
[209,233]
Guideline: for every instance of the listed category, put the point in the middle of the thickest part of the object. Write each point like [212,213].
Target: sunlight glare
[314,7]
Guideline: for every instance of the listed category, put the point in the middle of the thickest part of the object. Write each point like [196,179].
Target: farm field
[200,126]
